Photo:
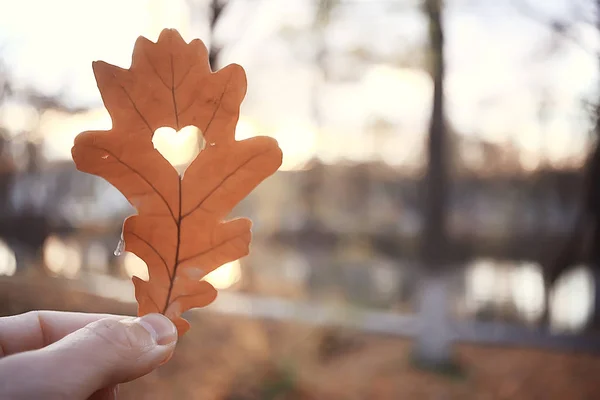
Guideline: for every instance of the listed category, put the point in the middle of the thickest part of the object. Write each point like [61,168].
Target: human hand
[62,355]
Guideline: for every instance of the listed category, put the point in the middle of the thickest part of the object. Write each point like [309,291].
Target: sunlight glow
[62,257]
[225,276]
[527,287]
[298,144]
[480,285]
[246,128]
[222,278]
[47,43]
[571,300]
[398,94]
[8,261]
[178,147]
[502,284]
[135,266]
[17,118]
[59,130]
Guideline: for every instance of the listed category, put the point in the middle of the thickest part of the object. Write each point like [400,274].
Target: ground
[232,358]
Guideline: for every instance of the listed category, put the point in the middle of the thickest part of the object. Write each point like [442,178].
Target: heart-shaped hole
[178,147]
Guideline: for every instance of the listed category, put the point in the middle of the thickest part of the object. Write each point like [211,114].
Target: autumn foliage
[179,230]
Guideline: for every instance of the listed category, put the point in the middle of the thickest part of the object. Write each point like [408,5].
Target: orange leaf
[179,230]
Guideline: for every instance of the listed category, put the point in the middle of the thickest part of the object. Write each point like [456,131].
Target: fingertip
[171,351]
[160,328]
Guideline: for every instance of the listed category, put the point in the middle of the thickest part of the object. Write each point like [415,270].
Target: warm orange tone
[178,230]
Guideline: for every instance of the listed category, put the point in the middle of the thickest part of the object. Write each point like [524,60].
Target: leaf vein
[155,70]
[134,105]
[173,94]
[154,250]
[199,205]
[141,176]
[211,248]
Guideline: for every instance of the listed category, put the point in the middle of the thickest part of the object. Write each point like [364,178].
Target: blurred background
[433,233]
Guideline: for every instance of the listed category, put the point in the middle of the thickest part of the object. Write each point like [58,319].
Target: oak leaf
[179,230]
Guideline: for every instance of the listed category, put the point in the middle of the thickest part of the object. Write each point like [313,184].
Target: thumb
[102,354]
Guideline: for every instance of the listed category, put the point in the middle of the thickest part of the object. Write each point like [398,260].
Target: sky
[492,57]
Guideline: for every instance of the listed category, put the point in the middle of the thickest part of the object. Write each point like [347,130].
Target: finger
[36,329]
[102,354]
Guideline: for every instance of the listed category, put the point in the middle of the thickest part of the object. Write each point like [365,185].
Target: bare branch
[561,28]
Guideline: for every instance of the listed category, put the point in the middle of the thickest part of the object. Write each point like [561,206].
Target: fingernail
[166,359]
[162,330]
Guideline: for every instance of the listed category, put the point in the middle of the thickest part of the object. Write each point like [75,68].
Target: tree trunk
[435,190]
[594,200]
[434,344]
[434,347]
[216,8]
[214,50]
[583,242]
[594,325]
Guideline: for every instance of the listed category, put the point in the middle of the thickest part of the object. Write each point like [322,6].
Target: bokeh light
[8,260]
[572,300]
[62,257]
[225,276]
[135,266]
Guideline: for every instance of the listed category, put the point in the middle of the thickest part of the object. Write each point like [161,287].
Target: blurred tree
[360,54]
[583,243]
[433,345]
[436,175]
[216,12]
[315,237]
[25,231]
[323,10]
[216,8]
